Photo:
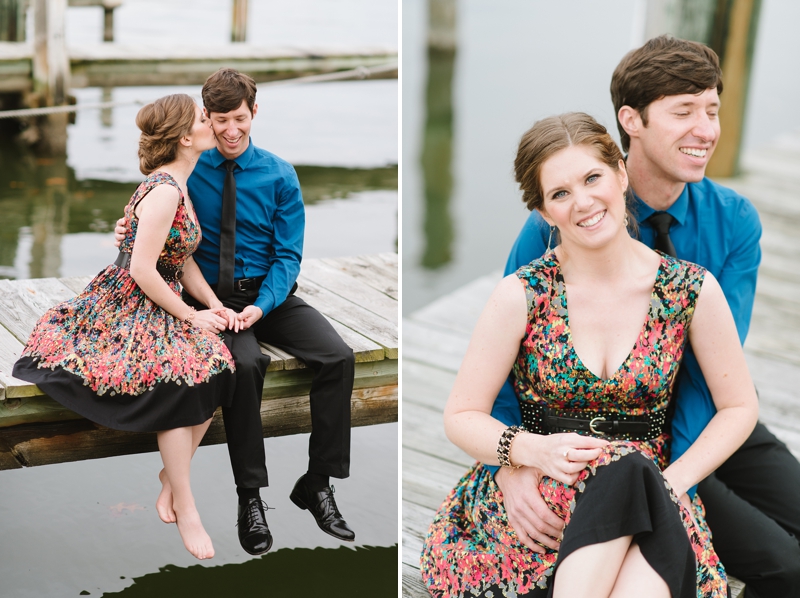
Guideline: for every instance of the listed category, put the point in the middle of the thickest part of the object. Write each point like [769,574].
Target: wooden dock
[116,65]
[358,295]
[435,339]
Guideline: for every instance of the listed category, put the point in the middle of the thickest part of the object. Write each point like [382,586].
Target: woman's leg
[637,579]
[164,500]
[591,571]
[177,448]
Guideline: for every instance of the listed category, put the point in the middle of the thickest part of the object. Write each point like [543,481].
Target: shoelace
[333,511]
[252,512]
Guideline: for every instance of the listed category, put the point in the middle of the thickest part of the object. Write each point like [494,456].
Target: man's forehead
[709,96]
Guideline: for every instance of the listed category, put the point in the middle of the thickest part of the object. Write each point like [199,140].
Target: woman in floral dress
[594,409]
[127,352]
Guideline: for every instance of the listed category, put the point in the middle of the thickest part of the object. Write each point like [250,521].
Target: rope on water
[360,72]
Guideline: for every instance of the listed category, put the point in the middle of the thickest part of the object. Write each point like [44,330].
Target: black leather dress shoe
[323,508]
[254,534]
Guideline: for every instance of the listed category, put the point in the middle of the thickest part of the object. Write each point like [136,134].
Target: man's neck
[653,188]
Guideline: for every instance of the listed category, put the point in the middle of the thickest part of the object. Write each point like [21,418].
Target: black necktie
[661,221]
[227,235]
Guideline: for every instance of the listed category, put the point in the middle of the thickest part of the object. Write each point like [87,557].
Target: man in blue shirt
[666,98]
[269,222]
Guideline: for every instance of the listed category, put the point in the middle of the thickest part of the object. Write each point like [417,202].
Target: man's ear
[255,109]
[630,120]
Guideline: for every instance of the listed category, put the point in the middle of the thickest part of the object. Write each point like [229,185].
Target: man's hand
[249,316]
[120,231]
[528,514]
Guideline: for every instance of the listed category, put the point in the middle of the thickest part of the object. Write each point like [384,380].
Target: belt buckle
[591,425]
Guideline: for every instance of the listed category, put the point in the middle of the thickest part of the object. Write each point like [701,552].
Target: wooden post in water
[733,38]
[12,20]
[50,73]
[239,22]
[437,146]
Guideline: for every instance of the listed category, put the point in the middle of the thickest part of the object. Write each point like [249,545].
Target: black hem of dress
[166,406]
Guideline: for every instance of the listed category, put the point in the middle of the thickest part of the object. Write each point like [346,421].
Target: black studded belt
[546,420]
[168,273]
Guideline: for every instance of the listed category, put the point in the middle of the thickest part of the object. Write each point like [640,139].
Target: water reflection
[437,149]
[42,203]
[362,571]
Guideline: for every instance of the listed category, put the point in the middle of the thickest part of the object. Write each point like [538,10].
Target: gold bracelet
[504,446]
[188,319]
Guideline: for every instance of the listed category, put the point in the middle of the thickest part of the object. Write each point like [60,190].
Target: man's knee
[779,572]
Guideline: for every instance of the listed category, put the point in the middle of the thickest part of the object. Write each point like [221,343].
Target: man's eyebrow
[692,103]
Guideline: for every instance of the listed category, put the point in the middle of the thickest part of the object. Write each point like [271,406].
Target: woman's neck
[181,168]
[616,261]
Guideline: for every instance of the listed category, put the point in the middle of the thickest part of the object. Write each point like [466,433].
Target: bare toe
[194,536]
[164,500]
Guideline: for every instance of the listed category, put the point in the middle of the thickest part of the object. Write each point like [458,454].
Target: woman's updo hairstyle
[163,123]
[551,135]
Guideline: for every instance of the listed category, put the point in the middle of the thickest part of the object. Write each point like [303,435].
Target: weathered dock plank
[35,429]
[352,315]
[374,270]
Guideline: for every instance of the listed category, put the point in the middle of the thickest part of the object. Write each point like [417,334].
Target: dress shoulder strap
[152,181]
[540,279]
[678,286]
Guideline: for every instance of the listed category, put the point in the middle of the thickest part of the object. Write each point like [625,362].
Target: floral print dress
[470,548]
[117,358]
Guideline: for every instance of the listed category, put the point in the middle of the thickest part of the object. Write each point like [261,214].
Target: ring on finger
[565,454]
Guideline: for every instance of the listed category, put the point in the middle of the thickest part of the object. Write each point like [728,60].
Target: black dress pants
[753,509]
[299,329]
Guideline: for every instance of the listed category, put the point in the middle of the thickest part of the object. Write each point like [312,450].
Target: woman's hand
[230,316]
[209,319]
[120,231]
[559,456]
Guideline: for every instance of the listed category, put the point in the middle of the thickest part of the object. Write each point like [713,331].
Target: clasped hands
[219,318]
[559,456]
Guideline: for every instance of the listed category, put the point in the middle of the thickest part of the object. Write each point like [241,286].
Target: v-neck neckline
[563,298]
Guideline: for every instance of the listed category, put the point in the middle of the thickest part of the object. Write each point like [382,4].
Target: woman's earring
[625,222]
[550,238]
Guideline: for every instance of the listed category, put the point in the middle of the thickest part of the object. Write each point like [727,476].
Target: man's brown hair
[663,66]
[226,89]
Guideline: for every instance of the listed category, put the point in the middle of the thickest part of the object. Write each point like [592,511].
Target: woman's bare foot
[164,500]
[194,536]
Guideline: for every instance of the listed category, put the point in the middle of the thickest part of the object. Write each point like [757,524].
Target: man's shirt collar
[677,210]
[242,161]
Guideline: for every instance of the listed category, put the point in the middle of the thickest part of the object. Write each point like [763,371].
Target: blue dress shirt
[270,220]
[714,227]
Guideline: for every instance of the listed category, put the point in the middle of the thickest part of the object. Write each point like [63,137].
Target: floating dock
[358,295]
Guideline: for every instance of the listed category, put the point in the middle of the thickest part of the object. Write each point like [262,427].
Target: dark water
[287,570]
[90,528]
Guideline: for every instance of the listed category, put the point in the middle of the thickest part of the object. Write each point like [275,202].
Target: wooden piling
[733,38]
[239,21]
[12,20]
